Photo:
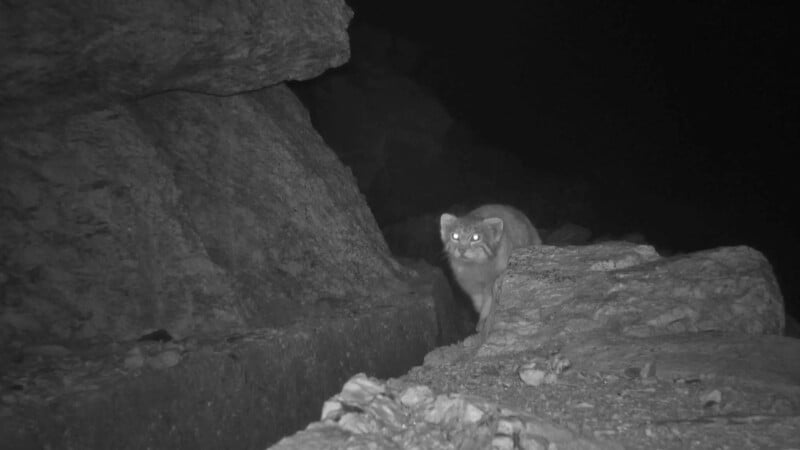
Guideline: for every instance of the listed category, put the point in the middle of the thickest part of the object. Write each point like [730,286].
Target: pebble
[164,360]
[532,376]
[712,398]
[360,390]
[416,395]
[373,412]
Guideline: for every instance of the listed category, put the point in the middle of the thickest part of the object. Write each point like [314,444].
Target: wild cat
[478,246]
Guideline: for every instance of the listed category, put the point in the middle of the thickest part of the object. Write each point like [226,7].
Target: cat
[478,246]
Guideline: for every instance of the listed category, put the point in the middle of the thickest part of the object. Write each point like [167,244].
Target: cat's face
[470,239]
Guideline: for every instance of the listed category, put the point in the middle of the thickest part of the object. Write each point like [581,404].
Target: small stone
[509,426]
[530,375]
[452,409]
[387,411]
[648,371]
[358,423]
[535,443]
[416,395]
[360,390]
[164,360]
[502,443]
[472,414]
[681,390]
[711,399]
[560,364]
[133,361]
[611,378]
[331,410]
[604,434]
[436,412]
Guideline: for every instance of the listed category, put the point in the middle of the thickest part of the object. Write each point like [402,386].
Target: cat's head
[468,238]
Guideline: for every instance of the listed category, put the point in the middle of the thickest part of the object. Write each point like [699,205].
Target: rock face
[174,232]
[371,414]
[183,212]
[62,56]
[568,292]
[605,346]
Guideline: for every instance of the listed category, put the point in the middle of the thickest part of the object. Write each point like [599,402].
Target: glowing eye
[476,237]
[455,236]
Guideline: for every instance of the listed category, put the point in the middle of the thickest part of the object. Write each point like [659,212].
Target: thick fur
[478,246]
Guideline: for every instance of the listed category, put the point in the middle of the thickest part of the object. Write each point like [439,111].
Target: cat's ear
[495,227]
[446,222]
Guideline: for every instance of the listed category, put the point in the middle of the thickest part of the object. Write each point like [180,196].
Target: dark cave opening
[676,123]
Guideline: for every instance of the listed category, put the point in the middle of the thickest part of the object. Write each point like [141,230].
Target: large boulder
[607,346]
[183,261]
[184,212]
[568,293]
[57,56]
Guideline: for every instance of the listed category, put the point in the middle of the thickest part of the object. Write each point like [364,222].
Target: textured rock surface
[239,391]
[580,355]
[627,289]
[157,181]
[65,55]
[371,414]
[183,212]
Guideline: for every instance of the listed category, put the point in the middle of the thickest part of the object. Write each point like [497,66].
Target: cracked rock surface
[603,346]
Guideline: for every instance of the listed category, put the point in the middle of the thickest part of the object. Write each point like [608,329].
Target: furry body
[478,246]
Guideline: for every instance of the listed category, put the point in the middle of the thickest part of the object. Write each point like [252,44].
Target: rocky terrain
[605,346]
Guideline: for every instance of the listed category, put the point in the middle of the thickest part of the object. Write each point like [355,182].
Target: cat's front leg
[485,309]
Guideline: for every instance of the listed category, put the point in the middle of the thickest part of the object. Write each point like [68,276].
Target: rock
[57,57]
[454,311]
[360,390]
[416,395]
[444,423]
[453,409]
[156,175]
[595,377]
[629,290]
[502,443]
[532,376]
[145,232]
[711,399]
[134,359]
[164,360]
[648,370]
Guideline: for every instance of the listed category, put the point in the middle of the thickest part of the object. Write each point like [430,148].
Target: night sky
[682,116]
